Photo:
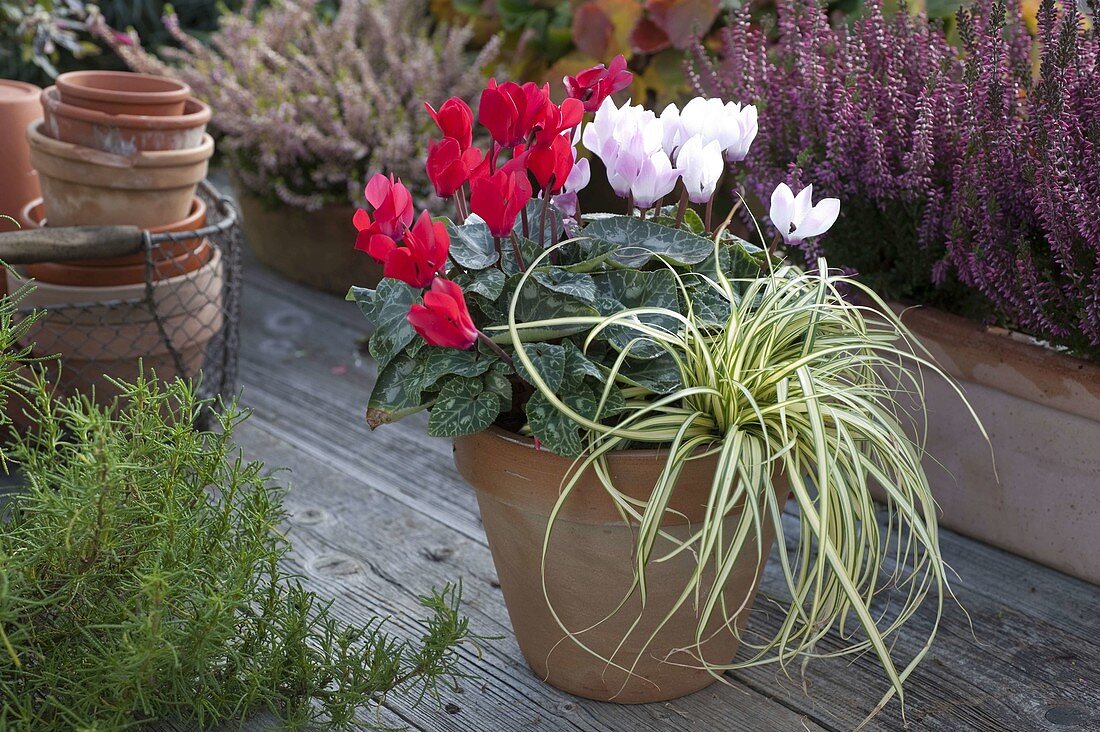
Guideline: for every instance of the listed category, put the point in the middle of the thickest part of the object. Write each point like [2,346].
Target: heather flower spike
[797,218]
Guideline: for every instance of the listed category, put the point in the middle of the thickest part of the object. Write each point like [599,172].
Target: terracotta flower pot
[123,92]
[124,134]
[82,275]
[86,187]
[1042,412]
[97,340]
[315,248]
[18,182]
[589,569]
[34,216]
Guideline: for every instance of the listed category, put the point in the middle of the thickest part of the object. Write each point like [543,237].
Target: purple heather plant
[969,180]
[868,113]
[1026,205]
[307,105]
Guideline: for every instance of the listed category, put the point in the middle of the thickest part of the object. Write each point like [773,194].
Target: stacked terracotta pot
[120,148]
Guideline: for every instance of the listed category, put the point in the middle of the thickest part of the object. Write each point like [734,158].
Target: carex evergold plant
[799,381]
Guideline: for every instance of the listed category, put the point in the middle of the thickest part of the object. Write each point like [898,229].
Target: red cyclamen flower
[393,212]
[449,166]
[443,320]
[498,198]
[593,85]
[423,256]
[510,112]
[551,162]
[557,119]
[454,119]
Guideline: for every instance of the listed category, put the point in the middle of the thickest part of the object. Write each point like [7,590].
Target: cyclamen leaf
[639,241]
[576,284]
[529,249]
[463,408]
[588,254]
[578,365]
[391,398]
[549,360]
[488,283]
[435,363]
[534,222]
[387,307]
[472,245]
[536,302]
[557,432]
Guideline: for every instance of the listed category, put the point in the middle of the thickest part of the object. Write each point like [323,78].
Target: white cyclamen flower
[655,179]
[701,166]
[739,131]
[797,217]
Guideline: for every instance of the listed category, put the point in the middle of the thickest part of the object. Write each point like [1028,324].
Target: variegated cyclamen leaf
[639,241]
[391,398]
[536,302]
[534,222]
[577,365]
[557,432]
[658,374]
[487,283]
[549,360]
[389,307]
[527,248]
[472,245]
[575,284]
[435,363]
[463,407]
[588,255]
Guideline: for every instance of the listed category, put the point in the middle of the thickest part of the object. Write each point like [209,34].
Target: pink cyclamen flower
[797,217]
[444,320]
[449,166]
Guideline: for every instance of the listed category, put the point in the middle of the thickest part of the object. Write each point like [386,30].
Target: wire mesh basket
[178,315]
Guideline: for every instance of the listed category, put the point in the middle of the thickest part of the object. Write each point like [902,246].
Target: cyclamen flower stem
[681,210]
[460,205]
[496,243]
[774,245]
[519,257]
[542,217]
[495,348]
[630,204]
[710,210]
[526,228]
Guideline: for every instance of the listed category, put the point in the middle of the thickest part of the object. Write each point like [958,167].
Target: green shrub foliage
[141,578]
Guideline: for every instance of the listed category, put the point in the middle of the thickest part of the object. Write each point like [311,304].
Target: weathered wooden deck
[379,518]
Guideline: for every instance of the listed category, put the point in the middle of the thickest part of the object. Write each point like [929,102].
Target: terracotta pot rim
[195,114]
[45,145]
[107,275]
[26,88]
[198,213]
[75,83]
[77,295]
[643,454]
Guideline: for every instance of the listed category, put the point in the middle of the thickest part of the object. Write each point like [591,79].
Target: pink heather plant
[308,106]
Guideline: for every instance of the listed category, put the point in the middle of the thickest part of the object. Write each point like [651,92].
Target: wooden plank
[374,555]
[1029,670]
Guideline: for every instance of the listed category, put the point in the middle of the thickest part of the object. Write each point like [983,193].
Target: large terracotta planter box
[1042,412]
